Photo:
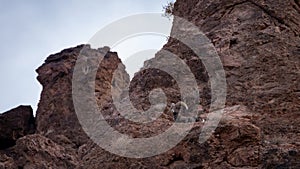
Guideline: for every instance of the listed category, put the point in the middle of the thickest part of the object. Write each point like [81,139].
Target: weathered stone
[14,124]
[258,44]
[7,162]
[56,115]
[37,151]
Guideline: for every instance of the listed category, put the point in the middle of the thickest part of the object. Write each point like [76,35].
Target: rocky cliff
[258,43]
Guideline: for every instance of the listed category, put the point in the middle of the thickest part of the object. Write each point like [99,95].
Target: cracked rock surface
[258,43]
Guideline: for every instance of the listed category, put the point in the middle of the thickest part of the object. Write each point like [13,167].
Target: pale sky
[31,30]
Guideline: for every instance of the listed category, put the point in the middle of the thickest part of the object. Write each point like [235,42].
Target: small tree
[168,9]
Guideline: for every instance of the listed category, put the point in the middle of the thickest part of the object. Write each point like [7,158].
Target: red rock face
[14,124]
[56,115]
[258,43]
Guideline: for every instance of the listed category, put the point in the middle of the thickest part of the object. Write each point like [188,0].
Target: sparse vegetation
[168,9]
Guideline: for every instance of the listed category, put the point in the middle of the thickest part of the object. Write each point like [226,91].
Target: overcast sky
[31,30]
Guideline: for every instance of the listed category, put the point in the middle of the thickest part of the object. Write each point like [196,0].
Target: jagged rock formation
[14,124]
[258,42]
[56,116]
[37,151]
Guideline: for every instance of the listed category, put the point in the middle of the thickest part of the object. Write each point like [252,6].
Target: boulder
[14,124]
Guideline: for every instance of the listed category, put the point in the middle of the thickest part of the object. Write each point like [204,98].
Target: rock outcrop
[56,117]
[14,124]
[258,43]
[37,151]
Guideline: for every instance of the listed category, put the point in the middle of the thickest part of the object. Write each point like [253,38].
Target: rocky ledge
[258,42]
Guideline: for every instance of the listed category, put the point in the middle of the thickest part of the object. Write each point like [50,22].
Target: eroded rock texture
[258,43]
[14,124]
[56,117]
